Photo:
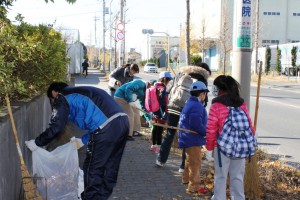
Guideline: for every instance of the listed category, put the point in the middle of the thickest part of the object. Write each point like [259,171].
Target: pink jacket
[216,118]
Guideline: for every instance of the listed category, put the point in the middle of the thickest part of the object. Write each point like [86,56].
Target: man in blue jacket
[94,110]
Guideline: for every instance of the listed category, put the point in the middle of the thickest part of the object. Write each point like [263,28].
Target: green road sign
[244,41]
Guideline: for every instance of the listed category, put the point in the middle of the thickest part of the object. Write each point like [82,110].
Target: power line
[67,15]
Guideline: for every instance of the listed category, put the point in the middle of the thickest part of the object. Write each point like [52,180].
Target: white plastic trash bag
[80,183]
[58,170]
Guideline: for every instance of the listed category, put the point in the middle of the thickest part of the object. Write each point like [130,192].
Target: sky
[159,15]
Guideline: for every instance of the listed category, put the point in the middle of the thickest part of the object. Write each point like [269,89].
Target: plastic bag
[58,172]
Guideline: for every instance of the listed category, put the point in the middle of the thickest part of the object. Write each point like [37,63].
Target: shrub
[195,60]
[268,60]
[31,57]
[278,61]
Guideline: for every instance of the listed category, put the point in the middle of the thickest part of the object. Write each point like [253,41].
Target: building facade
[159,44]
[278,23]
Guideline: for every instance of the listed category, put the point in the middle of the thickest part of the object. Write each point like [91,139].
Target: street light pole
[110,36]
[168,56]
[147,47]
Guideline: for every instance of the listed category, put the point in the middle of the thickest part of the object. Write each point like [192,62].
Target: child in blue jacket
[193,117]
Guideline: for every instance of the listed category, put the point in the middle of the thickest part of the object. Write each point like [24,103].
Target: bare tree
[256,35]
[188,13]
[225,38]
[202,37]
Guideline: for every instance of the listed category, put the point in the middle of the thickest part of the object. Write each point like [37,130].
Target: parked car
[150,67]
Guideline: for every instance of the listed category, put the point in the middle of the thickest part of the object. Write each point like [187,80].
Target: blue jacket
[193,117]
[87,107]
[127,90]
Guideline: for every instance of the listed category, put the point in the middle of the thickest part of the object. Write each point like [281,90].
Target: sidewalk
[139,177]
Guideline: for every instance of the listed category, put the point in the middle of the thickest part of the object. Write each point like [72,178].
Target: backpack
[237,139]
[180,91]
[153,97]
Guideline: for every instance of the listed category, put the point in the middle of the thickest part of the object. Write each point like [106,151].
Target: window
[298,14]
[274,41]
[294,14]
[272,13]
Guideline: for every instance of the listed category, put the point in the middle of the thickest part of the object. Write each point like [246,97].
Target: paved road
[278,124]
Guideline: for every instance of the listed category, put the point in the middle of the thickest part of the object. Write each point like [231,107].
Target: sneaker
[202,190]
[136,134]
[181,170]
[130,138]
[153,148]
[158,163]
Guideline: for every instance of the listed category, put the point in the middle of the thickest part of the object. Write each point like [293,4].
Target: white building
[74,50]
[157,44]
[279,22]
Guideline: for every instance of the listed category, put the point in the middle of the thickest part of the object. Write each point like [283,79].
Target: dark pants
[103,157]
[112,92]
[168,139]
[183,157]
[157,135]
[85,71]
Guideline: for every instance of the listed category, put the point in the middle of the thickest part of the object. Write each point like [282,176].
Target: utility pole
[242,46]
[103,63]
[124,44]
[256,35]
[187,27]
[121,58]
[96,51]
[110,37]
[179,48]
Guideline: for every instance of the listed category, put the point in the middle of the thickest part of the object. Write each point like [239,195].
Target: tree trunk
[224,63]
[188,61]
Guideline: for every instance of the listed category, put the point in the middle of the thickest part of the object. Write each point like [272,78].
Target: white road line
[278,102]
[282,89]
[154,75]
[274,88]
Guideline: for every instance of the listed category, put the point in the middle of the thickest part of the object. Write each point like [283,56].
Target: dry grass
[277,180]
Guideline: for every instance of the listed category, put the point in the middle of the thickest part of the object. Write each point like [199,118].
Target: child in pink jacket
[227,91]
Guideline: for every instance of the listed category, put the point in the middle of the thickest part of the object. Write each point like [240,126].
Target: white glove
[149,122]
[209,155]
[133,104]
[79,143]
[31,145]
